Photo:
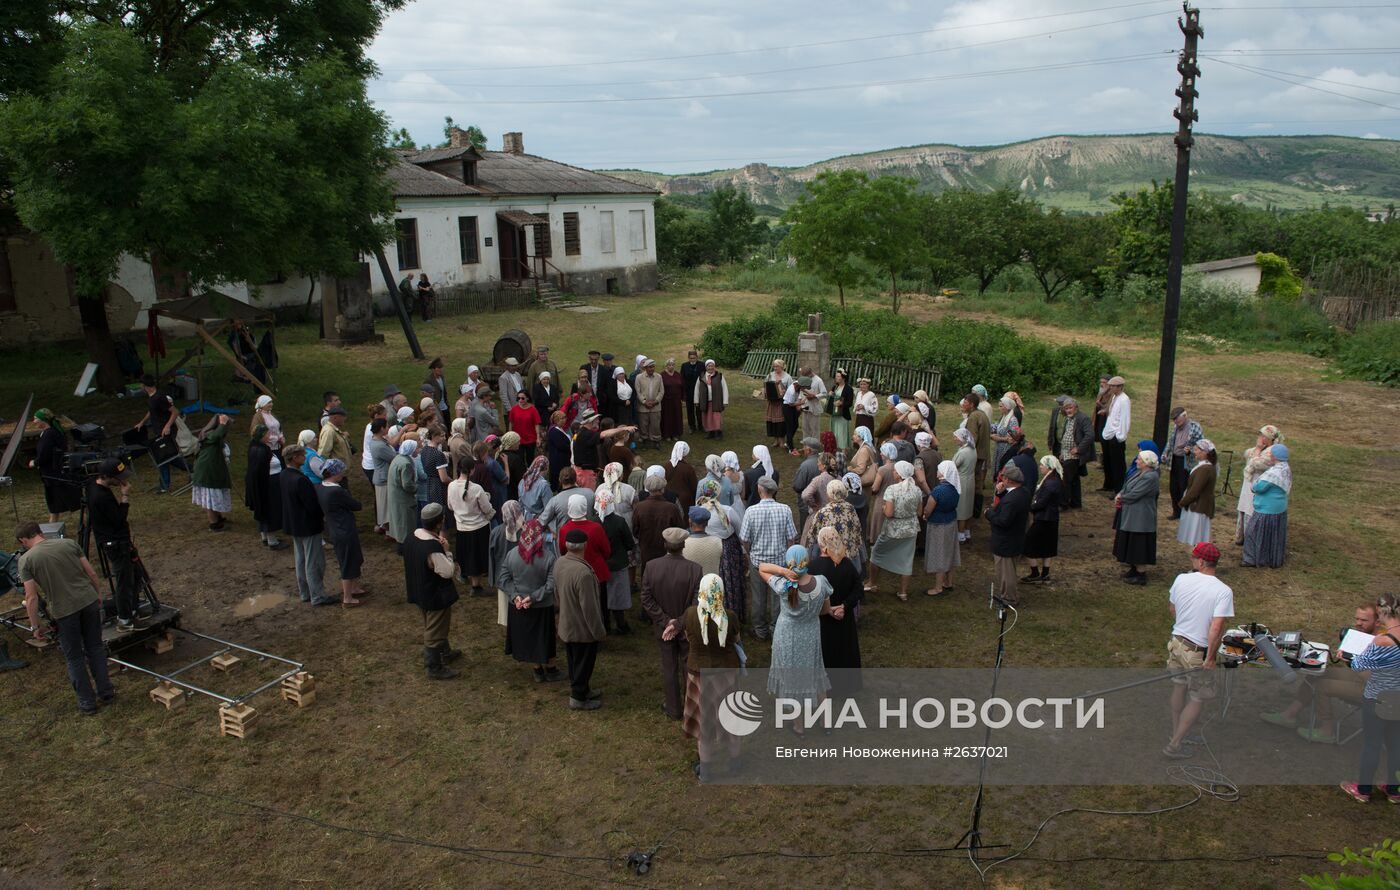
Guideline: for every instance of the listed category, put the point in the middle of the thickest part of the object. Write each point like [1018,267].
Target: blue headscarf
[864,434]
[1143,445]
[797,558]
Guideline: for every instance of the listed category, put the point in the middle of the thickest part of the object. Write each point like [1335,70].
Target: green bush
[1373,353]
[1381,864]
[1277,279]
[965,351]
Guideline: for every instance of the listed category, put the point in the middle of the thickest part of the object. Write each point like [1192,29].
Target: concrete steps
[551,297]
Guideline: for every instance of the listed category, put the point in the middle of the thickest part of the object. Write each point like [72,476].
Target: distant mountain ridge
[1084,172]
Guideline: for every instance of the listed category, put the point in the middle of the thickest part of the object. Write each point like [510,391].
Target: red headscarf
[531,541]
[829,442]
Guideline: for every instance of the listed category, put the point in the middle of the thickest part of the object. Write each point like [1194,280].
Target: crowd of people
[546,503]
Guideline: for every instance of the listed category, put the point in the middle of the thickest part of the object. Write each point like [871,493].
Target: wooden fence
[1352,312]
[465,301]
[885,377]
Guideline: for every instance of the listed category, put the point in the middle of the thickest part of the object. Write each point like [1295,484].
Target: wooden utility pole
[1186,116]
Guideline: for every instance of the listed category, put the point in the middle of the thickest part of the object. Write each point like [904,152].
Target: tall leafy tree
[474,134]
[734,223]
[1064,250]
[891,239]
[223,141]
[828,229]
[987,230]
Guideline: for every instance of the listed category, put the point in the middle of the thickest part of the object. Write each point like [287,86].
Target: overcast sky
[826,78]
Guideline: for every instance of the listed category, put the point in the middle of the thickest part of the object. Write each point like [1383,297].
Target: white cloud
[696,109]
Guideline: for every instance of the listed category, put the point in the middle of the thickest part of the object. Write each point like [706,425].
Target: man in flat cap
[701,547]
[428,570]
[580,619]
[1115,435]
[669,586]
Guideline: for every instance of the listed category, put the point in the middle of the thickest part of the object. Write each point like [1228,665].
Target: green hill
[1083,172]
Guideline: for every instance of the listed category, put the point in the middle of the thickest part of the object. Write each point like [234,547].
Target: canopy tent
[214,306]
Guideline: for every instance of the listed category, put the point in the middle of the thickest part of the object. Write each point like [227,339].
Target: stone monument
[347,310]
[814,348]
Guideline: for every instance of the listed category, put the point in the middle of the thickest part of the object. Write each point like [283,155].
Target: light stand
[973,835]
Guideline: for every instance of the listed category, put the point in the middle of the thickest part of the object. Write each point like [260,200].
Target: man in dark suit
[690,372]
[1075,448]
[302,519]
[606,387]
[1007,518]
[669,585]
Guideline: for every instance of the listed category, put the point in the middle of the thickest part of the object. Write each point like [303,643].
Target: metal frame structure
[173,677]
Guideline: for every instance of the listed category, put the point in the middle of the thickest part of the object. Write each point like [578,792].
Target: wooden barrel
[512,344]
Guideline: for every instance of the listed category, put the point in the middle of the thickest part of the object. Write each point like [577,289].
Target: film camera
[88,452]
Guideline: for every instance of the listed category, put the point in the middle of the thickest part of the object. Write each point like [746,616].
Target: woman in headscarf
[830,446]
[1256,461]
[339,507]
[311,467]
[403,492]
[473,381]
[886,423]
[472,512]
[775,386]
[503,539]
[711,398]
[672,402]
[262,488]
[621,544]
[723,524]
[60,494]
[762,466]
[965,459]
[1002,432]
[427,413]
[680,476]
[1135,543]
[865,462]
[814,496]
[714,472]
[558,446]
[512,460]
[839,514]
[534,491]
[840,640]
[1266,539]
[526,576]
[1042,541]
[579,402]
[1020,407]
[797,669]
[545,394]
[712,665]
[262,416]
[459,447]
[884,477]
[376,411]
[859,501]
[927,410]
[732,486]
[621,406]
[1198,501]
[840,401]
[867,405]
[434,461]
[894,548]
[942,553]
[213,487]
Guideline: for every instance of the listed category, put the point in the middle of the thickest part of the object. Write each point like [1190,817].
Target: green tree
[401,138]
[1064,250]
[734,224]
[225,141]
[1141,225]
[827,227]
[938,233]
[474,134]
[890,238]
[987,230]
[684,237]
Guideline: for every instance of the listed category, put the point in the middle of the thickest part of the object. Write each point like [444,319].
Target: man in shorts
[1200,603]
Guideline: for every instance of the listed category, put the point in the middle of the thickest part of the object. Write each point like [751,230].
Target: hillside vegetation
[1082,173]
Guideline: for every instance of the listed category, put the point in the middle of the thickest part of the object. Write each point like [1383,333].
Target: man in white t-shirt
[1200,603]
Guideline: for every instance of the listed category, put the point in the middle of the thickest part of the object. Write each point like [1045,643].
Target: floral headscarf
[1054,464]
[531,541]
[852,483]
[865,436]
[603,502]
[964,436]
[709,605]
[797,558]
[829,445]
[832,544]
[707,496]
[888,450]
[612,480]
[538,467]
[714,465]
[1273,433]
[512,519]
[730,460]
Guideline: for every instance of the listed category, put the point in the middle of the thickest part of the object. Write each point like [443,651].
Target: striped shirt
[1384,664]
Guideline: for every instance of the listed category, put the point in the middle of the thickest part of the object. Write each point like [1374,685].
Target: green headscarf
[48,417]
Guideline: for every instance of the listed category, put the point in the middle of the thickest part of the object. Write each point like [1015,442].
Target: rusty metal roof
[502,173]
[429,155]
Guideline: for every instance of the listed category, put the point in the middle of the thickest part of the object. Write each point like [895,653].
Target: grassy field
[392,781]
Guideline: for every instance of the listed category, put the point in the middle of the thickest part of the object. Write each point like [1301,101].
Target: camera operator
[109,501]
[57,572]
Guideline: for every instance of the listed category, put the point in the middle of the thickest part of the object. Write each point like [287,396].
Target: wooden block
[300,699]
[225,662]
[239,721]
[168,694]
[161,644]
[45,643]
[299,688]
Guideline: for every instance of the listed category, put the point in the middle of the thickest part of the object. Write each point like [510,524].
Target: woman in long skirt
[1042,542]
[840,402]
[672,402]
[213,488]
[711,398]
[965,459]
[262,488]
[1135,541]
[884,478]
[339,507]
[617,594]
[1256,461]
[942,552]
[711,670]
[797,669]
[527,577]
[60,494]
[894,549]
[840,638]
[1266,539]
[839,515]
[724,524]
[775,385]
[1198,501]
[503,538]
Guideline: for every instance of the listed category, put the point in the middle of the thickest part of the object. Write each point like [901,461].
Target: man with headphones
[109,501]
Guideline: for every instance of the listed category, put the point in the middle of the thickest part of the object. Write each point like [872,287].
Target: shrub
[1373,353]
[1381,864]
[1277,279]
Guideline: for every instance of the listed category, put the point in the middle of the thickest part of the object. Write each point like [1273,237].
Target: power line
[1260,73]
[1340,83]
[608,100]
[790,46]
[909,55]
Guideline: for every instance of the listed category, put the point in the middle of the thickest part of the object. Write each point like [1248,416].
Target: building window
[543,246]
[637,228]
[408,243]
[607,239]
[469,172]
[466,234]
[571,243]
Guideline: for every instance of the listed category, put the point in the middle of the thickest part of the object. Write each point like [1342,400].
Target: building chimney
[457,138]
[513,143]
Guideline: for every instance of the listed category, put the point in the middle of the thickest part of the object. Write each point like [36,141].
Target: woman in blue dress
[797,669]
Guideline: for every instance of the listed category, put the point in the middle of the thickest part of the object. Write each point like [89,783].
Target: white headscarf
[949,471]
[761,455]
[404,413]
[678,452]
[624,390]
[889,451]
[305,438]
[656,470]
[262,402]
[922,440]
[731,460]
[637,364]
[1053,463]
[407,447]
[578,506]
[905,470]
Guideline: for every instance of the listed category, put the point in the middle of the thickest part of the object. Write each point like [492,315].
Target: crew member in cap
[702,548]
[669,586]
[1199,604]
[580,619]
[541,364]
[510,383]
[1115,435]
[1180,450]
[109,501]
[428,572]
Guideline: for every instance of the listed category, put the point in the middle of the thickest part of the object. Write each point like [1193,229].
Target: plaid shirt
[767,529]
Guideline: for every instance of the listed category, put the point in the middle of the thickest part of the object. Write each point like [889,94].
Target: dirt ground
[390,780]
